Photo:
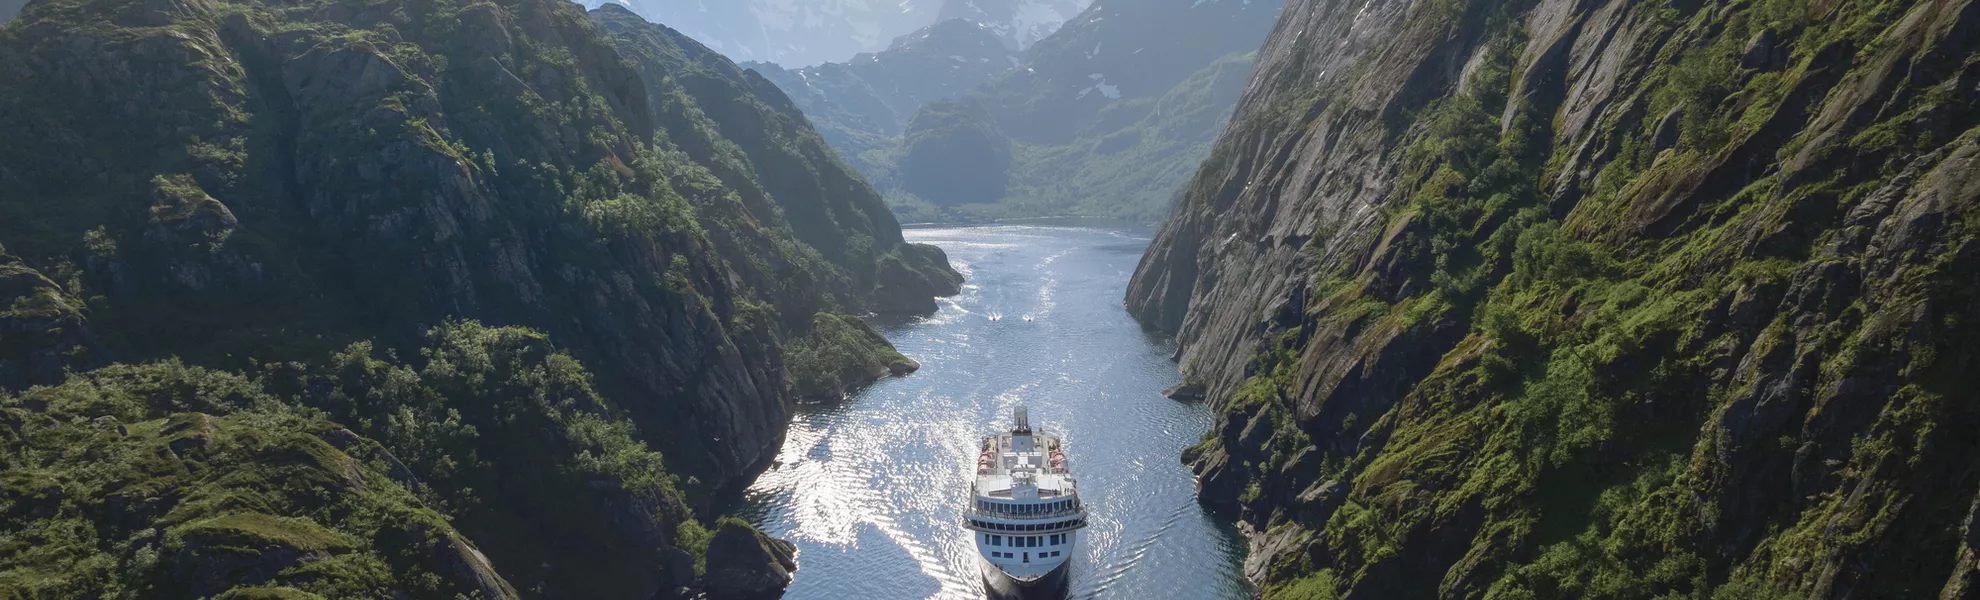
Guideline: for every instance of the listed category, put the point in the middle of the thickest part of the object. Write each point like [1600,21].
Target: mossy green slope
[125,483]
[226,180]
[1592,300]
[303,193]
[488,466]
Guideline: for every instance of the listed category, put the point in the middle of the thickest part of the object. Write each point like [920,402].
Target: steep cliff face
[282,191]
[306,193]
[1562,299]
[803,230]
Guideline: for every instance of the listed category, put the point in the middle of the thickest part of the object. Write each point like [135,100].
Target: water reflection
[872,490]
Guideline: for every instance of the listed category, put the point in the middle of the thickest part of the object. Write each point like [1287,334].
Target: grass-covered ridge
[355,476]
[1684,325]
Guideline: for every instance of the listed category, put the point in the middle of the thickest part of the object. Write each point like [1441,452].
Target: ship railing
[1077,508]
[1024,516]
[1076,522]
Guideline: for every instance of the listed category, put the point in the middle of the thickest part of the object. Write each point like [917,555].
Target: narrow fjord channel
[872,489]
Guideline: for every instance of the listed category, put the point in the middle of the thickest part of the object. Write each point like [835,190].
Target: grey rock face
[1313,207]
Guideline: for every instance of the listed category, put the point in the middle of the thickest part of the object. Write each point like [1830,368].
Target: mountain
[863,107]
[788,32]
[348,299]
[1020,22]
[803,33]
[1606,299]
[1112,112]
[1107,116]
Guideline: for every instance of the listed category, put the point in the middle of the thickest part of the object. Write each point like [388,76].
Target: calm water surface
[872,490]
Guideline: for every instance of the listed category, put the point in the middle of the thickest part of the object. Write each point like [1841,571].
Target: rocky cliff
[1564,299]
[323,197]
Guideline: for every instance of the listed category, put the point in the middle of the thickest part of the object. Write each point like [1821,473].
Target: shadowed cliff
[522,256]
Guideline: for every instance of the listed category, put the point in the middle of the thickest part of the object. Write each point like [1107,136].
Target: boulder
[744,564]
[1188,391]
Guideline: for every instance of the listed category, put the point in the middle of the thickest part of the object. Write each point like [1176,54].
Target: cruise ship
[1025,512]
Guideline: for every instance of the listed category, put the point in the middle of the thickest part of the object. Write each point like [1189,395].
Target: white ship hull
[1025,513]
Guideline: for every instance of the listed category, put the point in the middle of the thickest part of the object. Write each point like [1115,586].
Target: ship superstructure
[1025,510]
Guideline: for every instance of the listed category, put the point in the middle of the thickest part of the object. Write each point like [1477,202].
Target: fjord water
[872,489]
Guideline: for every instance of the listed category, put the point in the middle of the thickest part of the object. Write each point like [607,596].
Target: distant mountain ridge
[1022,22]
[1107,116]
[788,32]
[863,106]
[801,33]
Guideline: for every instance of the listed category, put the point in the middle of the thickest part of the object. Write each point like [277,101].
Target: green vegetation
[841,353]
[115,489]
[286,220]
[1660,357]
[252,483]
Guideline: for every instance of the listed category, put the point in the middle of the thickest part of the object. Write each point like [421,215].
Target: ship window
[996,540]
